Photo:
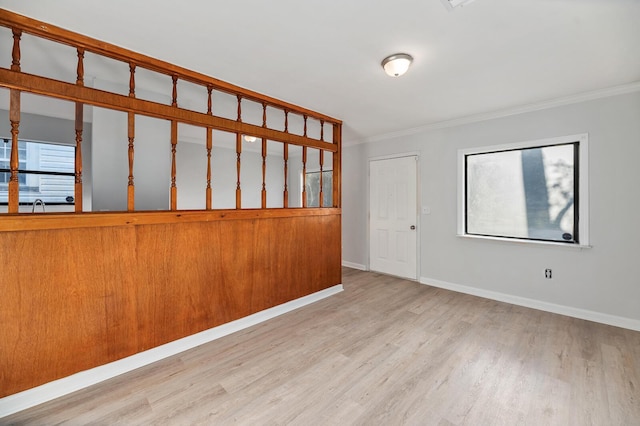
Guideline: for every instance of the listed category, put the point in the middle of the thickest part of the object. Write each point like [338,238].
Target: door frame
[418,203]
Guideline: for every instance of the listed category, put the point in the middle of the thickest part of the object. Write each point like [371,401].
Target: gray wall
[152,158]
[191,180]
[603,279]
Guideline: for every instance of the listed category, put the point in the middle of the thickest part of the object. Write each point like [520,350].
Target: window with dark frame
[529,193]
[46,172]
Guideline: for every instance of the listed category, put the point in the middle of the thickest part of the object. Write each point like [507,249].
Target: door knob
[413,227]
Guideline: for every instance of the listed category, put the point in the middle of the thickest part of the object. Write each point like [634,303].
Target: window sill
[527,242]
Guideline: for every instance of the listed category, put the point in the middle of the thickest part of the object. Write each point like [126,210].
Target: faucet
[35,203]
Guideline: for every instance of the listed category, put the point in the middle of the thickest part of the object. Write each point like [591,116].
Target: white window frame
[583,186]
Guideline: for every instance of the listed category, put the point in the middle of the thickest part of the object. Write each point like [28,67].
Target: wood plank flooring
[384,352]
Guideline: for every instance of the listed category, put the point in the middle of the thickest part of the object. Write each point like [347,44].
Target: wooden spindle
[304,176]
[238,153]
[264,114]
[15,52]
[209,100]
[174,94]
[174,143]
[131,123]
[286,121]
[78,159]
[79,121]
[337,165]
[132,80]
[264,173]
[209,147]
[80,67]
[239,108]
[321,192]
[14,118]
[305,125]
[285,157]
[322,130]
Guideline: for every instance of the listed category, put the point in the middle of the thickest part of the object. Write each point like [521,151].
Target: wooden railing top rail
[33,222]
[60,35]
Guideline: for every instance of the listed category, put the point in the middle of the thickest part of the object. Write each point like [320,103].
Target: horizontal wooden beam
[31,222]
[88,95]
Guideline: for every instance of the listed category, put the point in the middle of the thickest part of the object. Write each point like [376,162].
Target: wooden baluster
[14,118]
[322,130]
[238,153]
[264,173]
[131,131]
[132,80]
[174,143]
[174,94]
[264,114]
[78,158]
[15,53]
[80,67]
[209,100]
[209,147]
[305,125]
[337,165]
[285,157]
[304,176]
[286,121]
[78,128]
[264,157]
[321,197]
[239,108]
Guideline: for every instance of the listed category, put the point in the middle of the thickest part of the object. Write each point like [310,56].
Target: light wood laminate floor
[384,352]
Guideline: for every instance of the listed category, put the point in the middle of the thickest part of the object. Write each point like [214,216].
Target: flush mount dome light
[397,64]
[250,139]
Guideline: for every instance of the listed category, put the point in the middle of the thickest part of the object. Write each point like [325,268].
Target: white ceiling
[487,56]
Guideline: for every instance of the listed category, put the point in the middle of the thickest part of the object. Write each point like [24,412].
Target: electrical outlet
[547,273]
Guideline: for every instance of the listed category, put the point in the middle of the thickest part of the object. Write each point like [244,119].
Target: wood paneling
[77,298]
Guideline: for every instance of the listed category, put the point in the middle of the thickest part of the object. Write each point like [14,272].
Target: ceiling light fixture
[397,64]
[249,138]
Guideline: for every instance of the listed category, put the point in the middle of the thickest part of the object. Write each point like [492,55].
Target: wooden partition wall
[83,289]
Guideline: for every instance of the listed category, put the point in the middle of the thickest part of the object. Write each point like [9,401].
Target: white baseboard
[631,324]
[32,397]
[354,265]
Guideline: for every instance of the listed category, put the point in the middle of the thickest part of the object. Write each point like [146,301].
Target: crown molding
[537,106]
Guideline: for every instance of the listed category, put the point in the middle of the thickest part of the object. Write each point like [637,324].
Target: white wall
[603,279]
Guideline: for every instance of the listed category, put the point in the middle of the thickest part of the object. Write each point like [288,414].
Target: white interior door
[393,216]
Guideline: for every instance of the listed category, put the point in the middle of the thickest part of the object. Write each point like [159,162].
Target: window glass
[528,193]
[313,189]
[46,174]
